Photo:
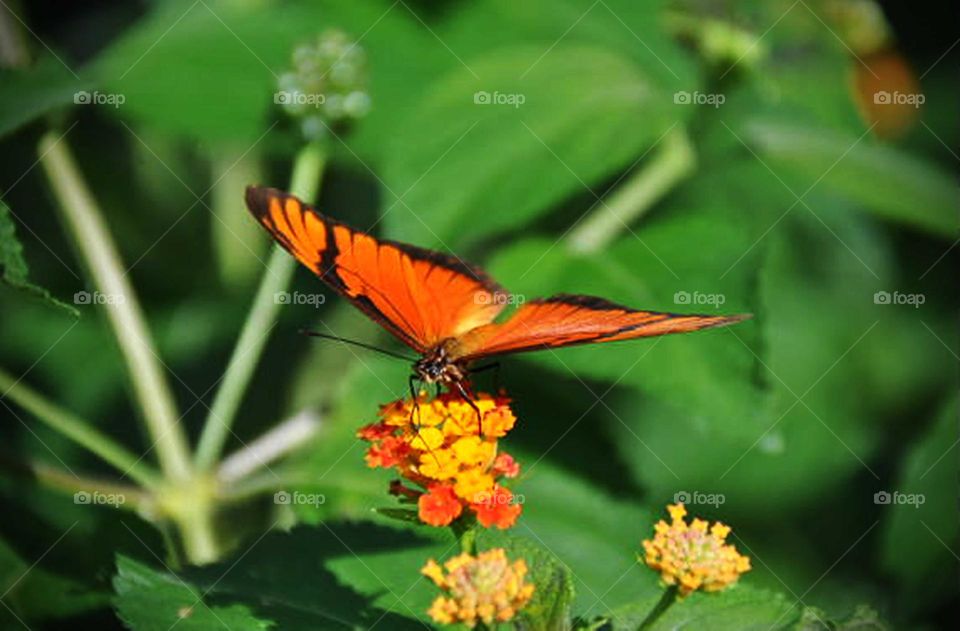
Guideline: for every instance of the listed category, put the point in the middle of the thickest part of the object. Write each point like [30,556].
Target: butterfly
[441,307]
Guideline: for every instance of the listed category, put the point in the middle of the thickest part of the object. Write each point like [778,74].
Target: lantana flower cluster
[485,588]
[443,447]
[693,556]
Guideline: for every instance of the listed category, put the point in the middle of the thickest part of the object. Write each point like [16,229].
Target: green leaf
[884,180]
[149,600]
[632,29]
[863,618]
[593,535]
[579,115]
[549,608]
[739,608]
[919,539]
[228,57]
[30,93]
[14,268]
[35,594]
[337,575]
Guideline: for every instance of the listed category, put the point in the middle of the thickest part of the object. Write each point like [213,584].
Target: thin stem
[674,160]
[305,182]
[270,446]
[84,219]
[464,529]
[117,495]
[666,601]
[85,490]
[77,430]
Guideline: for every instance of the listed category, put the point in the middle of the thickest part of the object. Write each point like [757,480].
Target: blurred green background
[790,191]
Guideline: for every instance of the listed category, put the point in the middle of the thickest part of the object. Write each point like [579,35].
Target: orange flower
[505,465]
[486,588]
[439,506]
[387,453]
[497,508]
[695,555]
[436,445]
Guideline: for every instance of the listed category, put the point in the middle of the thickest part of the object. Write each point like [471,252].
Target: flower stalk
[673,161]
[84,220]
[305,183]
[78,430]
[667,599]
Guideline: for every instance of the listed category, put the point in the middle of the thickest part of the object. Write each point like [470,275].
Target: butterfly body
[443,308]
[438,366]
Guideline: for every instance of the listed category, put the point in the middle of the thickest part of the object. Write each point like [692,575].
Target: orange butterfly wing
[566,320]
[422,297]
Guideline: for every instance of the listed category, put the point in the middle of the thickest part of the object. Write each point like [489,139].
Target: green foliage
[35,91]
[739,608]
[35,595]
[572,117]
[148,600]
[915,535]
[891,183]
[14,267]
[495,130]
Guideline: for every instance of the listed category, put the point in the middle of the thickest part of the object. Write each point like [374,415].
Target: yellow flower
[473,484]
[436,445]
[486,588]
[693,556]
[439,464]
[427,439]
[473,451]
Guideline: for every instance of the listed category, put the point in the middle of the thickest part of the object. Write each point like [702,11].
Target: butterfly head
[436,366]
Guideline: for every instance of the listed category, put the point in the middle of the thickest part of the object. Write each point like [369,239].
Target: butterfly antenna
[369,347]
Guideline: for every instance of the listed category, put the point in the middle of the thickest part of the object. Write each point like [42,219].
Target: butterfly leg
[466,395]
[415,398]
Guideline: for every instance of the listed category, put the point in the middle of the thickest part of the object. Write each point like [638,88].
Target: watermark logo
[98,98]
[498,98]
[297,298]
[699,98]
[698,298]
[498,499]
[97,498]
[693,498]
[885,498]
[899,98]
[285,498]
[98,298]
[486,298]
[303,99]
[898,298]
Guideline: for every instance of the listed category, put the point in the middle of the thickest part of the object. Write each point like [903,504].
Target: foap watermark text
[298,298]
[698,298]
[498,98]
[898,298]
[97,498]
[886,498]
[698,98]
[693,498]
[285,498]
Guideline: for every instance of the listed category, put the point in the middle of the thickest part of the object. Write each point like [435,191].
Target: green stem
[673,161]
[84,219]
[65,482]
[666,601]
[78,430]
[305,182]
[466,532]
